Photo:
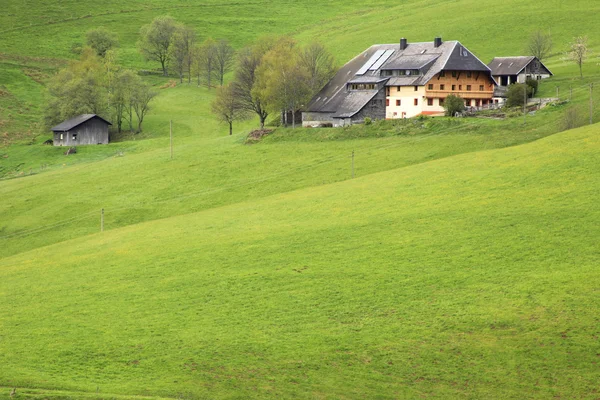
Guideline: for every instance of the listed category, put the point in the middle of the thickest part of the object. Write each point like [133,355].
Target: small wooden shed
[81,130]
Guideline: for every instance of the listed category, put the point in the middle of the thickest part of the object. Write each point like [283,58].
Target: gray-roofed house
[401,81]
[509,70]
[81,130]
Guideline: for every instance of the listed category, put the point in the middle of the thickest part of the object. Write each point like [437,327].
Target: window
[398,88]
[453,87]
[416,102]
[454,74]
[398,103]
[468,101]
[459,87]
[387,91]
[468,74]
[74,136]
[468,88]
[387,102]
[442,87]
[430,86]
[442,74]
[441,102]
[362,86]
[482,88]
[416,88]
[429,102]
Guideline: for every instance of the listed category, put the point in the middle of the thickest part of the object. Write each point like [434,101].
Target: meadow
[448,259]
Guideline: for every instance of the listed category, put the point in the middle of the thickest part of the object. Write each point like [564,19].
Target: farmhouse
[401,81]
[81,130]
[509,70]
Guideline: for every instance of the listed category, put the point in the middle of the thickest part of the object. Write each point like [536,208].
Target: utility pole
[591,103]
[102,220]
[571,92]
[352,164]
[171,136]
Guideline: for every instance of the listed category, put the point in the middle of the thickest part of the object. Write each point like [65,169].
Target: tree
[140,101]
[224,57]
[227,108]
[125,83]
[207,61]
[77,89]
[453,104]
[155,40]
[517,93]
[320,65]
[282,81]
[249,59]
[101,40]
[578,52]
[181,50]
[540,45]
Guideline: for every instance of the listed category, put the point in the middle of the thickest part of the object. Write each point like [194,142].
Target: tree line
[175,45]
[273,75]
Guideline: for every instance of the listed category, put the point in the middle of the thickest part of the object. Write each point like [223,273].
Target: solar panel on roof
[383,59]
[371,61]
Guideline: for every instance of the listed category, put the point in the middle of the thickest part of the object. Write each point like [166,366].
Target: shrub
[533,85]
[453,104]
[515,95]
[368,121]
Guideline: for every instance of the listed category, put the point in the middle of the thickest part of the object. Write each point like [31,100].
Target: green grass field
[460,262]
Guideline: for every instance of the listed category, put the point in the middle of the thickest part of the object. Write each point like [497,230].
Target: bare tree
[227,108]
[181,50]
[540,45]
[320,65]
[207,61]
[224,58]
[140,100]
[578,52]
[251,100]
[155,40]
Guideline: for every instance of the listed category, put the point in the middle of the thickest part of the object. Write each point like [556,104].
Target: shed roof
[76,121]
[353,102]
[512,65]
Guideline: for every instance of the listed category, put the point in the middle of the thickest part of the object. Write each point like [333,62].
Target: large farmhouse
[81,130]
[401,81]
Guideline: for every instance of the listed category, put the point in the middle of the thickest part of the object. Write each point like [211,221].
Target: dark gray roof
[368,79]
[512,65]
[353,102]
[403,80]
[73,122]
[410,61]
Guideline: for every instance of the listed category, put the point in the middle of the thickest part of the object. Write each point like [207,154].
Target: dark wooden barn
[81,130]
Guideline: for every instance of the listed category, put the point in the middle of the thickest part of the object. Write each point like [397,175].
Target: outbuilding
[509,70]
[82,130]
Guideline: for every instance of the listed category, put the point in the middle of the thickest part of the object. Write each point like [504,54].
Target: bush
[453,104]
[515,95]
[368,121]
[533,85]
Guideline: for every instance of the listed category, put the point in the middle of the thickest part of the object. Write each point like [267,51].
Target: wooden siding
[93,131]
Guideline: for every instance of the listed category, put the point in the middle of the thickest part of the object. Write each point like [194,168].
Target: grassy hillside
[459,263]
[472,276]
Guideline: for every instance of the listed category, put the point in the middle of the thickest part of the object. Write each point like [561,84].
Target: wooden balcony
[473,94]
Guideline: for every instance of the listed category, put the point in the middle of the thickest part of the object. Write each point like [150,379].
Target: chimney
[403,44]
[437,42]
